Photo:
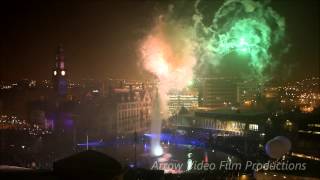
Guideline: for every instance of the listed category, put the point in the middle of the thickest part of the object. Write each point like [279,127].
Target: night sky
[100,38]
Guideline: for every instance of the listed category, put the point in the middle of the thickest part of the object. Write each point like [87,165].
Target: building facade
[221,91]
[217,92]
[59,80]
[178,99]
[128,110]
[225,121]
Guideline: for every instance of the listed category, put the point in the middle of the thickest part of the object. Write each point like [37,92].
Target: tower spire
[60,73]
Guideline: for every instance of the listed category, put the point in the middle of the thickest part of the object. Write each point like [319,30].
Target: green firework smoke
[242,27]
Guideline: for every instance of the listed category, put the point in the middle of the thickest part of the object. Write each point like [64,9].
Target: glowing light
[243,45]
[244,27]
[248,103]
[190,82]
[160,66]
[305,156]
[205,157]
[157,151]
[307,109]
[55,73]
[63,73]
[243,42]
[168,53]
[243,177]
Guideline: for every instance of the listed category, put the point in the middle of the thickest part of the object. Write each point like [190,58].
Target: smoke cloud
[181,47]
[246,29]
[168,52]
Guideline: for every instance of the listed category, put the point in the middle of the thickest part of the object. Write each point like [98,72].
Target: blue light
[178,139]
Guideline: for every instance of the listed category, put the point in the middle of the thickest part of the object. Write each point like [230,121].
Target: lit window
[253,127]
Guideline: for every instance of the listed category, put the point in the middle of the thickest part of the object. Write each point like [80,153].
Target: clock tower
[59,73]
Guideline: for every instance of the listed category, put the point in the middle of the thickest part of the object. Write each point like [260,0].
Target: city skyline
[154,89]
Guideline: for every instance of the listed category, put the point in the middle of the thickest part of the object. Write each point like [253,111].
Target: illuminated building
[217,92]
[222,91]
[124,83]
[127,110]
[60,83]
[185,98]
[59,117]
[225,121]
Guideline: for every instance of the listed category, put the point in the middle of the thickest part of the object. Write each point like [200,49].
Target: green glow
[246,36]
[243,27]
[243,45]
[190,83]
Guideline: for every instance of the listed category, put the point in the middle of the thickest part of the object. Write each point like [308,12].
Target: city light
[157,151]
[160,90]
[63,73]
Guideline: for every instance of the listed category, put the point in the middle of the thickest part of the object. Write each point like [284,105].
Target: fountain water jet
[156,149]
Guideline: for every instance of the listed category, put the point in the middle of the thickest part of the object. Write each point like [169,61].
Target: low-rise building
[225,121]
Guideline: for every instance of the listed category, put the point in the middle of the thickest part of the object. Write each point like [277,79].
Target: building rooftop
[229,113]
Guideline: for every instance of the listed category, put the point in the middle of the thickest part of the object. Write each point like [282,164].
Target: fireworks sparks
[172,50]
[168,53]
[242,27]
